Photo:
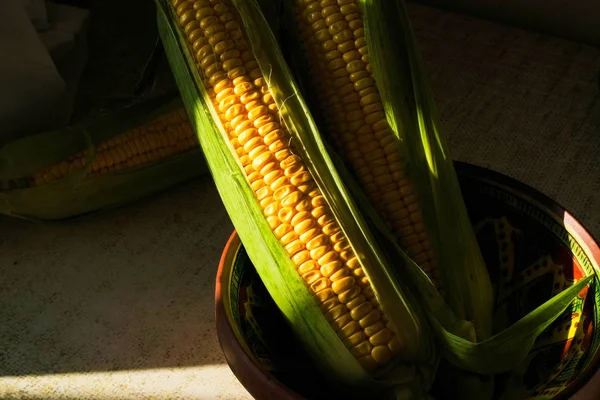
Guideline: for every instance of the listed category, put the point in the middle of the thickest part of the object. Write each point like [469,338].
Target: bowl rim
[255,379]
[260,382]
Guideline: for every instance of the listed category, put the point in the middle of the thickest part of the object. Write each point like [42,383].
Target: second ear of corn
[292,203]
[332,35]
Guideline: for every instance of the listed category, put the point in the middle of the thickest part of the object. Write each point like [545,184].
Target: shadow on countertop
[128,288]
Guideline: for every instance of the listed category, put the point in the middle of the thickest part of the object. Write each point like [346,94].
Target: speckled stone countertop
[116,305]
[119,304]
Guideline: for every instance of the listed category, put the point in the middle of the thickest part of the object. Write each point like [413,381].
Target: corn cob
[292,203]
[334,44]
[163,137]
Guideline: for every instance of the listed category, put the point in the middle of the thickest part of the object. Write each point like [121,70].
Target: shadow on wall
[129,288]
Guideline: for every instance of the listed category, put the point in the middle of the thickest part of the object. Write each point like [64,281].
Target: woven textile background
[523,104]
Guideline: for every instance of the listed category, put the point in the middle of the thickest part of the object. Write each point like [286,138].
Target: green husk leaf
[273,265]
[507,349]
[474,304]
[410,109]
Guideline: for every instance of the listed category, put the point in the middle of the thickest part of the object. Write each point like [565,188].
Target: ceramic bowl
[533,248]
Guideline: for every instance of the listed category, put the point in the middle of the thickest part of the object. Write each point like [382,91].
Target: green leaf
[410,110]
[507,349]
